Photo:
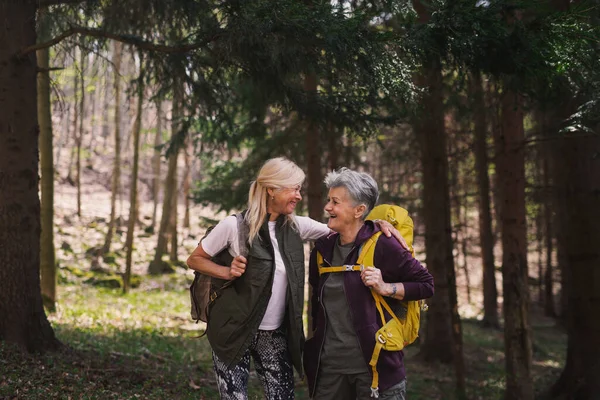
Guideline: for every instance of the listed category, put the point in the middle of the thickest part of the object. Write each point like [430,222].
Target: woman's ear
[270,192]
[359,211]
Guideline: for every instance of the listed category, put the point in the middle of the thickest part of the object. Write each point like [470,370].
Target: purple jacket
[397,265]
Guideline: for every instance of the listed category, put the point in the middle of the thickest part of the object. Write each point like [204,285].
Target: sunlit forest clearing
[144,345]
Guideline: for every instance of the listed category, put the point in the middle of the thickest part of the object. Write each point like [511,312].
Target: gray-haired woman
[336,358]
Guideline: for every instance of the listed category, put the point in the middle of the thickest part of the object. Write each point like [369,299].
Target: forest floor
[143,344]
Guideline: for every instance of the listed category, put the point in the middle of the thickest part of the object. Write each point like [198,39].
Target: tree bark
[157,266]
[72,154]
[80,135]
[580,192]
[116,175]
[156,162]
[173,237]
[443,332]
[510,170]
[314,176]
[187,183]
[22,317]
[44,110]
[133,209]
[549,307]
[313,159]
[486,237]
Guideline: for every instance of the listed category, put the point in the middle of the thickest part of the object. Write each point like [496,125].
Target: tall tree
[133,209]
[22,317]
[157,266]
[579,190]
[156,162]
[443,332]
[79,135]
[44,111]
[510,172]
[486,239]
[116,173]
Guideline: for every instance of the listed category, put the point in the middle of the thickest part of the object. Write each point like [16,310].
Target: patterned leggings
[272,362]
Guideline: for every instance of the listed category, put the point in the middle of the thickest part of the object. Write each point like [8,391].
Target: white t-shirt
[225,235]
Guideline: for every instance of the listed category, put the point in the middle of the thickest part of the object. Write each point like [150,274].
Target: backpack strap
[243,233]
[368,246]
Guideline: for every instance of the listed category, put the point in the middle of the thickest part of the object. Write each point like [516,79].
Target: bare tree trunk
[116,175]
[314,175]
[313,159]
[44,110]
[104,113]
[173,223]
[510,170]
[548,281]
[22,317]
[539,238]
[486,238]
[133,209]
[80,135]
[156,162]
[92,124]
[75,127]
[443,332]
[187,183]
[157,266]
[579,189]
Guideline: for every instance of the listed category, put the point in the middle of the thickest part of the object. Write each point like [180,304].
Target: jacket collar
[325,245]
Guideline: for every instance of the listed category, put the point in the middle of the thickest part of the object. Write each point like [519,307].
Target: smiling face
[343,213]
[283,201]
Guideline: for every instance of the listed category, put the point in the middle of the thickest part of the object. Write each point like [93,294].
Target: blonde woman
[259,314]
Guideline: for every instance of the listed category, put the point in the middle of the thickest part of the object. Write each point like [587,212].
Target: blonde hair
[277,173]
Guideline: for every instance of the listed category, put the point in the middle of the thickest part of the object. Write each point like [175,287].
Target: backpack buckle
[213,296]
[348,268]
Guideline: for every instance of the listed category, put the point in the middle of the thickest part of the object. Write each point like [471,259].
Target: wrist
[392,289]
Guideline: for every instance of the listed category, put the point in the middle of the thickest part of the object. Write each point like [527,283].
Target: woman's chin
[331,225]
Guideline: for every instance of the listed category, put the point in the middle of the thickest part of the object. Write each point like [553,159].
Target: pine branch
[47,3]
[136,41]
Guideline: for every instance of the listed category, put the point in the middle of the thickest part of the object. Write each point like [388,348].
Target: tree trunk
[173,223]
[44,110]
[80,135]
[443,332]
[549,308]
[157,266]
[486,238]
[22,317]
[314,176]
[69,178]
[116,175]
[156,162]
[510,170]
[133,209]
[580,191]
[313,159]
[187,183]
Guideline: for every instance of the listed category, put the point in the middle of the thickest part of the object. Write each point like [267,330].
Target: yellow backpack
[396,333]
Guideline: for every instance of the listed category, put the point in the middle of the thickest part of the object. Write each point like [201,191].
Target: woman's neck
[348,235]
[272,215]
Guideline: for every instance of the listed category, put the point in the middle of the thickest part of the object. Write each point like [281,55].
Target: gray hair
[361,187]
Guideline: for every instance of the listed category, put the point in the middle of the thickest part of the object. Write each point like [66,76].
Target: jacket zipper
[320,300]
[351,312]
